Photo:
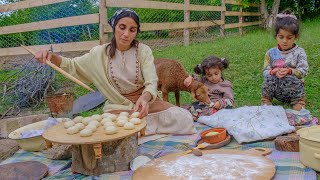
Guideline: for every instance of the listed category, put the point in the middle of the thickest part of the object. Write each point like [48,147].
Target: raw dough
[96,117]
[122,118]
[135,115]
[121,122]
[94,122]
[109,123]
[72,130]
[104,120]
[80,126]
[105,115]
[68,124]
[128,126]
[135,120]
[111,130]
[78,119]
[86,132]
[92,127]
[113,117]
[86,120]
[124,114]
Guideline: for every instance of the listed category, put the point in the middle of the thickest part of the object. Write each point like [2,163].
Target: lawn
[246,56]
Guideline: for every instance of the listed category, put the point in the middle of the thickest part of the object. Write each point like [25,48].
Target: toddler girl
[286,65]
[220,90]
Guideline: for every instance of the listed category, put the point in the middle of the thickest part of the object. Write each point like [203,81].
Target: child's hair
[211,62]
[287,21]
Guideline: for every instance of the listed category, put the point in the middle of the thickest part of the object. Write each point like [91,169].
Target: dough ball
[63,119]
[128,126]
[80,126]
[72,130]
[104,120]
[135,115]
[111,130]
[95,123]
[105,115]
[68,124]
[135,121]
[86,120]
[78,119]
[96,117]
[92,127]
[121,122]
[86,132]
[122,118]
[124,114]
[113,117]
[109,123]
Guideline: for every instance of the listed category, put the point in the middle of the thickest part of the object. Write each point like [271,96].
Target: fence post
[186,31]
[241,20]
[102,22]
[223,17]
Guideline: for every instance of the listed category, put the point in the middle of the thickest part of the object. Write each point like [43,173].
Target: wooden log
[287,143]
[115,156]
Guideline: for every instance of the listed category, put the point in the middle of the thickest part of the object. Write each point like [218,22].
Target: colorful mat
[53,165]
[288,166]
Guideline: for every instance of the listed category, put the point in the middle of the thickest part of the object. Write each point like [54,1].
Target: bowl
[220,136]
[35,143]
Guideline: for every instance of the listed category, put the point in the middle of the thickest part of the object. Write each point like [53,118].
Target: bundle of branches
[26,88]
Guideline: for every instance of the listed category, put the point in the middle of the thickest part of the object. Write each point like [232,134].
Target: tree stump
[287,143]
[115,156]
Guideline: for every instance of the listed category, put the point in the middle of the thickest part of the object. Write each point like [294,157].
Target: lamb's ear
[187,81]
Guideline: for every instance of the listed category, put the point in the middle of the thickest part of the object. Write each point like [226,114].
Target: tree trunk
[299,10]
[271,19]
[264,12]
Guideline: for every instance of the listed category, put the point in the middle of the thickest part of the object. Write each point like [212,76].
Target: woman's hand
[44,55]
[142,104]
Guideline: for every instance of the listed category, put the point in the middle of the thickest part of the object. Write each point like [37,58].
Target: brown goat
[171,75]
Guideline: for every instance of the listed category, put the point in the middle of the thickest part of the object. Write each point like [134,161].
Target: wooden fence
[104,28]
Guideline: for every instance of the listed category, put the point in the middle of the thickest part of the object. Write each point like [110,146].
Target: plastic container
[222,135]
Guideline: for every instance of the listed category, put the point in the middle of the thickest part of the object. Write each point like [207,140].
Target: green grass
[246,56]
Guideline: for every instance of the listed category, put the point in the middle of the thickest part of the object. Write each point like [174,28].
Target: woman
[124,71]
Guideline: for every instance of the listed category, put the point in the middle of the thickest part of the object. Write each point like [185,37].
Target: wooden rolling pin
[67,75]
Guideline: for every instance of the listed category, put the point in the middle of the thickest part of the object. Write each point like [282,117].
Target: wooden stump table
[99,153]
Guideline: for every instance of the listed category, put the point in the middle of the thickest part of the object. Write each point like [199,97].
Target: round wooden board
[214,164]
[23,170]
[58,134]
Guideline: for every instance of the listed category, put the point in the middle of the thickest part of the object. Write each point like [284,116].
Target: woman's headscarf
[121,13]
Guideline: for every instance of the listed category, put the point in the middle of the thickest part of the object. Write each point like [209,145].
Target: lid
[310,133]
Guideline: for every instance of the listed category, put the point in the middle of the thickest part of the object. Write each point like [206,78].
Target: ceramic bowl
[222,135]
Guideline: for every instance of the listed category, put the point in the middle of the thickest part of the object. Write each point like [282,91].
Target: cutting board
[23,170]
[214,164]
[58,134]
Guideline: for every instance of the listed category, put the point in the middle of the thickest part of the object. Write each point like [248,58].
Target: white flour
[212,166]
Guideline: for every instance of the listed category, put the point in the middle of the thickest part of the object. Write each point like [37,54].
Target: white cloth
[251,123]
[174,120]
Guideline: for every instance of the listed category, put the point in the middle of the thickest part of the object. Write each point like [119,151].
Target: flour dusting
[212,166]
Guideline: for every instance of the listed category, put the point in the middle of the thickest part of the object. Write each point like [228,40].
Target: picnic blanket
[288,166]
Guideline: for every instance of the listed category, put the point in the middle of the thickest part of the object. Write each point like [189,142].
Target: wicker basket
[60,104]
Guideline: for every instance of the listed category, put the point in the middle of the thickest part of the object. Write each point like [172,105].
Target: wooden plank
[50,24]
[236,25]
[102,21]
[223,18]
[27,4]
[234,2]
[186,31]
[64,47]
[237,13]
[161,5]
[173,25]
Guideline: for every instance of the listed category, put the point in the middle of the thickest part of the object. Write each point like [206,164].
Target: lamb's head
[199,91]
